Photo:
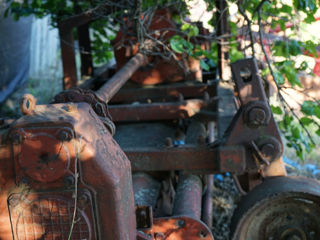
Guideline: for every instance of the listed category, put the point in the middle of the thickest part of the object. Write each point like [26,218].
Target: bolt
[69,180]
[181,223]
[202,234]
[16,138]
[83,199]
[159,236]
[143,213]
[267,149]
[63,136]
[169,142]
[257,116]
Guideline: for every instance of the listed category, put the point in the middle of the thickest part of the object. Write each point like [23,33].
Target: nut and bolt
[181,223]
[69,181]
[267,149]
[64,136]
[83,199]
[202,234]
[257,116]
[159,236]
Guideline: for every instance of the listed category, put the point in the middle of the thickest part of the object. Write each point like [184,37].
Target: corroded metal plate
[50,216]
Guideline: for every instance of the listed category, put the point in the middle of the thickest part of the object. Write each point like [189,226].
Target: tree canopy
[268,30]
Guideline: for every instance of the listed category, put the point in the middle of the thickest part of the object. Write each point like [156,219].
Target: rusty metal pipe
[146,189]
[112,86]
[207,198]
[207,202]
[188,197]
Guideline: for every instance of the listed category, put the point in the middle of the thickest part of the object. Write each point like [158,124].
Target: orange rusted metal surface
[61,153]
[179,228]
[156,111]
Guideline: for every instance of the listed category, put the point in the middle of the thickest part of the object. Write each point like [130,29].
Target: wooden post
[68,57]
[223,33]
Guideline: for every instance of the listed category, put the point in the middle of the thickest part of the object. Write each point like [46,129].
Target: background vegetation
[269,30]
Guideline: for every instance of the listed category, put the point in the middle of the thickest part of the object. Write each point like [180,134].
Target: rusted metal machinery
[64,176]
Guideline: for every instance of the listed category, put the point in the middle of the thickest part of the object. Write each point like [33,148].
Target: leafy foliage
[277,15]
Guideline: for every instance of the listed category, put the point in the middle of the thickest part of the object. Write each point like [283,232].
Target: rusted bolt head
[83,199]
[267,149]
[202,234]
[16,138]
[64,136]
[143,213]
[159,236]
[257,116]
[181,223]
[69,180]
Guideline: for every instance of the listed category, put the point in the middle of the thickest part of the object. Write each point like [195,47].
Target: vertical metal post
[223,32]
[85,50]
[207,198]
[68,57]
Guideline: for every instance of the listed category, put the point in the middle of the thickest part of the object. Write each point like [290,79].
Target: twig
[282,100]
[249,27]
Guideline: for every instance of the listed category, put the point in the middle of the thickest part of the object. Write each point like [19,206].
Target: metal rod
[112,86]
[156,111]
[188,197]
[207,198]
[207,202]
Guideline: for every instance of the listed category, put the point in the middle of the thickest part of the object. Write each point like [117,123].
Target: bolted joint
[64,136]
[257,116]
[267,149]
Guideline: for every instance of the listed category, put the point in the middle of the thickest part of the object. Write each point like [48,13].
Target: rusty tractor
[126,161]
[67,173]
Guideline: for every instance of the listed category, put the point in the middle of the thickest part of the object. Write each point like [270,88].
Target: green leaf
[204,65]
[276,110]
[288,119]
[296,132]
[294,48]
[176,44]
[279,78]
[191,30]
[318,132]
[317,111]
[286,8]
[310,18]
[308,107]
[306,121]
